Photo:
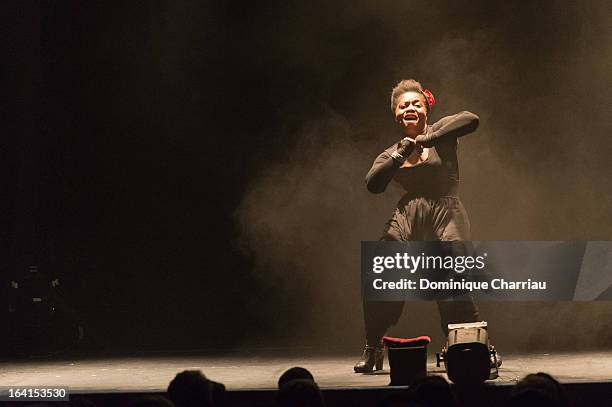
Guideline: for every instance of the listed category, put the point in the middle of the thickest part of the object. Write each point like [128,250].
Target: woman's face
[411,113]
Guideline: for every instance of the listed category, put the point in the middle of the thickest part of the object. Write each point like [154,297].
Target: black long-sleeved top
[438,175]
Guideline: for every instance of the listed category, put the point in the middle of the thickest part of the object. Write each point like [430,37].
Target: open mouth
[410,117]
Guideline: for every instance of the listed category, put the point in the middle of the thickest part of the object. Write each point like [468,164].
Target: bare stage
[260,371]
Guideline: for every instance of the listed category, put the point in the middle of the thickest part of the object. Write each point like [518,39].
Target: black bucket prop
[407,358]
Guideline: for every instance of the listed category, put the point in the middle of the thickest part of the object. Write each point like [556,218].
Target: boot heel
[379,361]
[380,358]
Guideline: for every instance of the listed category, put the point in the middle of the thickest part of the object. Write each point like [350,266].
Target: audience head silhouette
[539,389]
[191,388]
[300,393]
[294,373]
[430,391]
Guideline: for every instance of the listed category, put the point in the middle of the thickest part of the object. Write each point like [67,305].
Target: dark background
[193,171]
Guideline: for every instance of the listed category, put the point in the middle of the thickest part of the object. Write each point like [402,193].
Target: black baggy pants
[427,219]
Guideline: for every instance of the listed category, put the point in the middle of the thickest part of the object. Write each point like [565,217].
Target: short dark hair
[539,389]
[295,373]
[300,393]
[407,85]
[191,388]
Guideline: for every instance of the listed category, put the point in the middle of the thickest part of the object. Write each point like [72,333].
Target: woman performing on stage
[424,163]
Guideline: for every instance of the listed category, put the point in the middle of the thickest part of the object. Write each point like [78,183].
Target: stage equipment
[468,356]
[407,358]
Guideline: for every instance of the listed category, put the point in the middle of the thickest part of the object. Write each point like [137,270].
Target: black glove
[405,147]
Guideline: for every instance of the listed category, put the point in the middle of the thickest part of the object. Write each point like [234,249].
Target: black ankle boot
[372,357]
[496,359]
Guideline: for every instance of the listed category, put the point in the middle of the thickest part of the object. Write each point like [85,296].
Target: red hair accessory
[431,100]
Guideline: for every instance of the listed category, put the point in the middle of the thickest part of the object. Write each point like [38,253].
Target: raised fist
[405,147]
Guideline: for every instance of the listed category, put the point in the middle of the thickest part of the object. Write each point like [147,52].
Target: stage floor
[241,372]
